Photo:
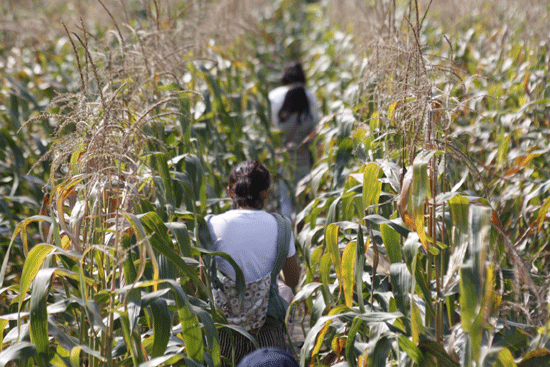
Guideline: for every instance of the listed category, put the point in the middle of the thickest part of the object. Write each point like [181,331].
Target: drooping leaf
[418,195]
[331,238]
[161,326]
[391,243]
[410,348]
[401,280]
[436,350]
[21,350]
[371,185]
[348,272]
[360,248]
[350,353]
[33,263]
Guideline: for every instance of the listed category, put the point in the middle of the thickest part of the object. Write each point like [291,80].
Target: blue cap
[269,357]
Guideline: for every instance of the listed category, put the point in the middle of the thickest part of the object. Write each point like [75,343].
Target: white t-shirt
[277,98]
[250,238]
[292,130]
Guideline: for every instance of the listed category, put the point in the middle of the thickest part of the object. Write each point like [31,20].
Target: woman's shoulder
[278,93]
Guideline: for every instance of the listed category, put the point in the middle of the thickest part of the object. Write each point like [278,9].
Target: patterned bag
[261,301]
[249,314]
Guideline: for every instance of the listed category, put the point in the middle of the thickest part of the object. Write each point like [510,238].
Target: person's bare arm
[291,271]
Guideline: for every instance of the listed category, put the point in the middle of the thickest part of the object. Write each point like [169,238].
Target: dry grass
[373,20]
[30,22]
[413,93]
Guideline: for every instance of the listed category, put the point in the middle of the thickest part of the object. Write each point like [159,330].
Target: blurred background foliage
[423,228]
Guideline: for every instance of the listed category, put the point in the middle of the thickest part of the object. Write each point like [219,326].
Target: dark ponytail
[247,181]
[295,99]
[295,102]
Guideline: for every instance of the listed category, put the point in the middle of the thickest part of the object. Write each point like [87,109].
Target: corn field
[423,229]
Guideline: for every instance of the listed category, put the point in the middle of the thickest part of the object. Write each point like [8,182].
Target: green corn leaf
[211,334]
[134,307]
[410,348]
[350,353]
[129,338]
[3,323]
[324,274]
[401,280]
[331,238]
[145,246]
[360,248]
[315,259]
[161,326]
[371,186]
[39,314]
[21,228]
[418,194]
[306,291]
[161,163]
[417,327]
[74,356]
[505,359]
[378,219]
[332,215]
[436,350]
[181,233]
[192,333]
[323,332]
[470,299]
[378,356]
[348,272]
[170,359]
[33,263]
[541,216]
[458,206]
[391,243]
[368,318]
[94,314]
[22,350]
[318,307]
[479,241]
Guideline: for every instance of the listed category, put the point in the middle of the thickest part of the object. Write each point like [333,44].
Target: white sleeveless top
[250,238]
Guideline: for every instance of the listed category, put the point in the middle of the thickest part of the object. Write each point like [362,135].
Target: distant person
[269,357]
[262,245]
[295,111]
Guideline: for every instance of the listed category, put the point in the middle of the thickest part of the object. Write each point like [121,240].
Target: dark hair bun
[247,181]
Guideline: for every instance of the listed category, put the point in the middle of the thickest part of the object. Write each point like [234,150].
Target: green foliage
[424,224]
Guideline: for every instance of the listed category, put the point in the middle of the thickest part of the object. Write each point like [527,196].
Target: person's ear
[230,192]
[264,194]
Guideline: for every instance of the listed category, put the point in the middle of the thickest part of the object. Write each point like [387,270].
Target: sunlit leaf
[331,237]
[348,272]
[21,350]
[371,185]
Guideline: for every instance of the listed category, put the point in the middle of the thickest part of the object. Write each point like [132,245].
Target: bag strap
[284,231]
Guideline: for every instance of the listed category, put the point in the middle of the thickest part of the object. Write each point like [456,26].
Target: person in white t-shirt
[294,111]
[249,235]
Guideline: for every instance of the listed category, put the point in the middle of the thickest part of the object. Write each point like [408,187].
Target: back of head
[293,73]
[247,181]
[269,357]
